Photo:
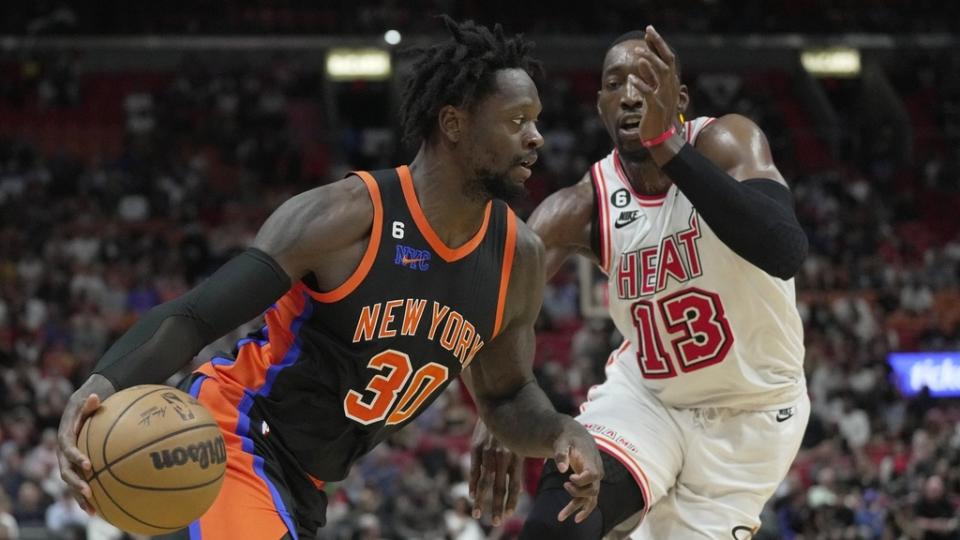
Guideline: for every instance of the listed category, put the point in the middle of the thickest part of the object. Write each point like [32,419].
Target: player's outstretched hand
[493,464]
[74,465]
[659,84]
[576,450]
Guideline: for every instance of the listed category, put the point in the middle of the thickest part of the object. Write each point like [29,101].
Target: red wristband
[659,139]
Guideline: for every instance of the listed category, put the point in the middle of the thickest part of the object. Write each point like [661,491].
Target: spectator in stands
[936,518]
[8,524]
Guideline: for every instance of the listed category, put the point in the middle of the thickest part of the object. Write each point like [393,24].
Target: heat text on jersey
[645,271]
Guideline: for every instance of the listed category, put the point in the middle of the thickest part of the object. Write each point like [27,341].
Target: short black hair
[633,34]
[458,72]
[641,34]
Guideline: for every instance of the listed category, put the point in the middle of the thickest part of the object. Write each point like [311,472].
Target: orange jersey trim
[445,252]
[508,250]
[366,263]
[245,507]
[223,393]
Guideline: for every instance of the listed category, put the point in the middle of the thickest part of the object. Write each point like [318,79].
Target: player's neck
[453,215]
[645,176]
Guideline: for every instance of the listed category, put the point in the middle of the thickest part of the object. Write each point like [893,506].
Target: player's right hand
[494,464]
[74,465]
[576,450]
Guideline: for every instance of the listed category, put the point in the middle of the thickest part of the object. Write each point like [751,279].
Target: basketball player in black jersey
[377,291]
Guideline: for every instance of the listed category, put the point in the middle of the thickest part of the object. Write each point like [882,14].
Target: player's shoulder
[526,275]
[529,251]
[321,219]
[569,207]
[352,189]
[349,193]
[354,199]
[728,129]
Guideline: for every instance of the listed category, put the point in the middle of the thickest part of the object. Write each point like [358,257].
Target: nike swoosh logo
[405,261]
[625,219]
[784,414]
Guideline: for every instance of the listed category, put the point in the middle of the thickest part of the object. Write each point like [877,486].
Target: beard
[632,151]
[634,155]
[489,184]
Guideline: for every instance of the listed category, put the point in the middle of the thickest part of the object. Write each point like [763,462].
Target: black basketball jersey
[333,373]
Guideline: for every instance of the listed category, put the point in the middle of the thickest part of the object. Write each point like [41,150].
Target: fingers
[583,502]
[480,493]
[77,485]
[585,478]
[90,405]
[500,459]
[584,484]
[67,441]
[74,465]
[562,459]
[647,83]
[656,67]
[488,471]
[580,491]
[516,477]
[587,465]
[569,509]
[476,463]
[581,506]
[657,44]
[585,510]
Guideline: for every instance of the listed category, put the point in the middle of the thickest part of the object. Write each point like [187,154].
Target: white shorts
[704,472]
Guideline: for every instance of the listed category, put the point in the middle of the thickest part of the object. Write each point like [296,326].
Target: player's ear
[451,123]
[683,99]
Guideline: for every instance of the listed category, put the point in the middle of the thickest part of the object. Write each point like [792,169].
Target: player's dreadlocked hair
[458,72]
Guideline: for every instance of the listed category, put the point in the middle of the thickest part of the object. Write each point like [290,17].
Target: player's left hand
[658,83]
[576,450]
[493,464]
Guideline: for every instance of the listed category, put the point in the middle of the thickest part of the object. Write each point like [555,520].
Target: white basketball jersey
[702,326]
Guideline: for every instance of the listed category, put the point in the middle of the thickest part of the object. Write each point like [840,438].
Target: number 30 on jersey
[384,389]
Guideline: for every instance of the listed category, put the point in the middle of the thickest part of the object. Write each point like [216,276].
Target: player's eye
[518,120]
[612,84]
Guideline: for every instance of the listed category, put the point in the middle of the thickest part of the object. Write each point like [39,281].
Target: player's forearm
[527,422]
[168,336]
[754,218]
[158,345]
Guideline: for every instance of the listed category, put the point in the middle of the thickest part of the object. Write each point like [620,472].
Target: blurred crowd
[306,17]
[91,239]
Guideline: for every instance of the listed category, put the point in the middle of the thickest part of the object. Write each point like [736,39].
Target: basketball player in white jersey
[705,402]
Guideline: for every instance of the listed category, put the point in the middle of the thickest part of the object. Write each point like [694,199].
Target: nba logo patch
[417,259]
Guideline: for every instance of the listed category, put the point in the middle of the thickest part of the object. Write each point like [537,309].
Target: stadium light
[358,64]
[831,62]
[392,37]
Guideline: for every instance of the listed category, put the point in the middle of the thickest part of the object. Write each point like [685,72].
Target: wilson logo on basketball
[203,454]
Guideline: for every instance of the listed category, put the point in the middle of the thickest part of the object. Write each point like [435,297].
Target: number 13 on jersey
[385,388]
[699,332]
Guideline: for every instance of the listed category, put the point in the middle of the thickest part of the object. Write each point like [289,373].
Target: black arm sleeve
[754,218]
[171,334]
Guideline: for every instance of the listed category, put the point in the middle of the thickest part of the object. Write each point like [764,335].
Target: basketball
[158,459]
